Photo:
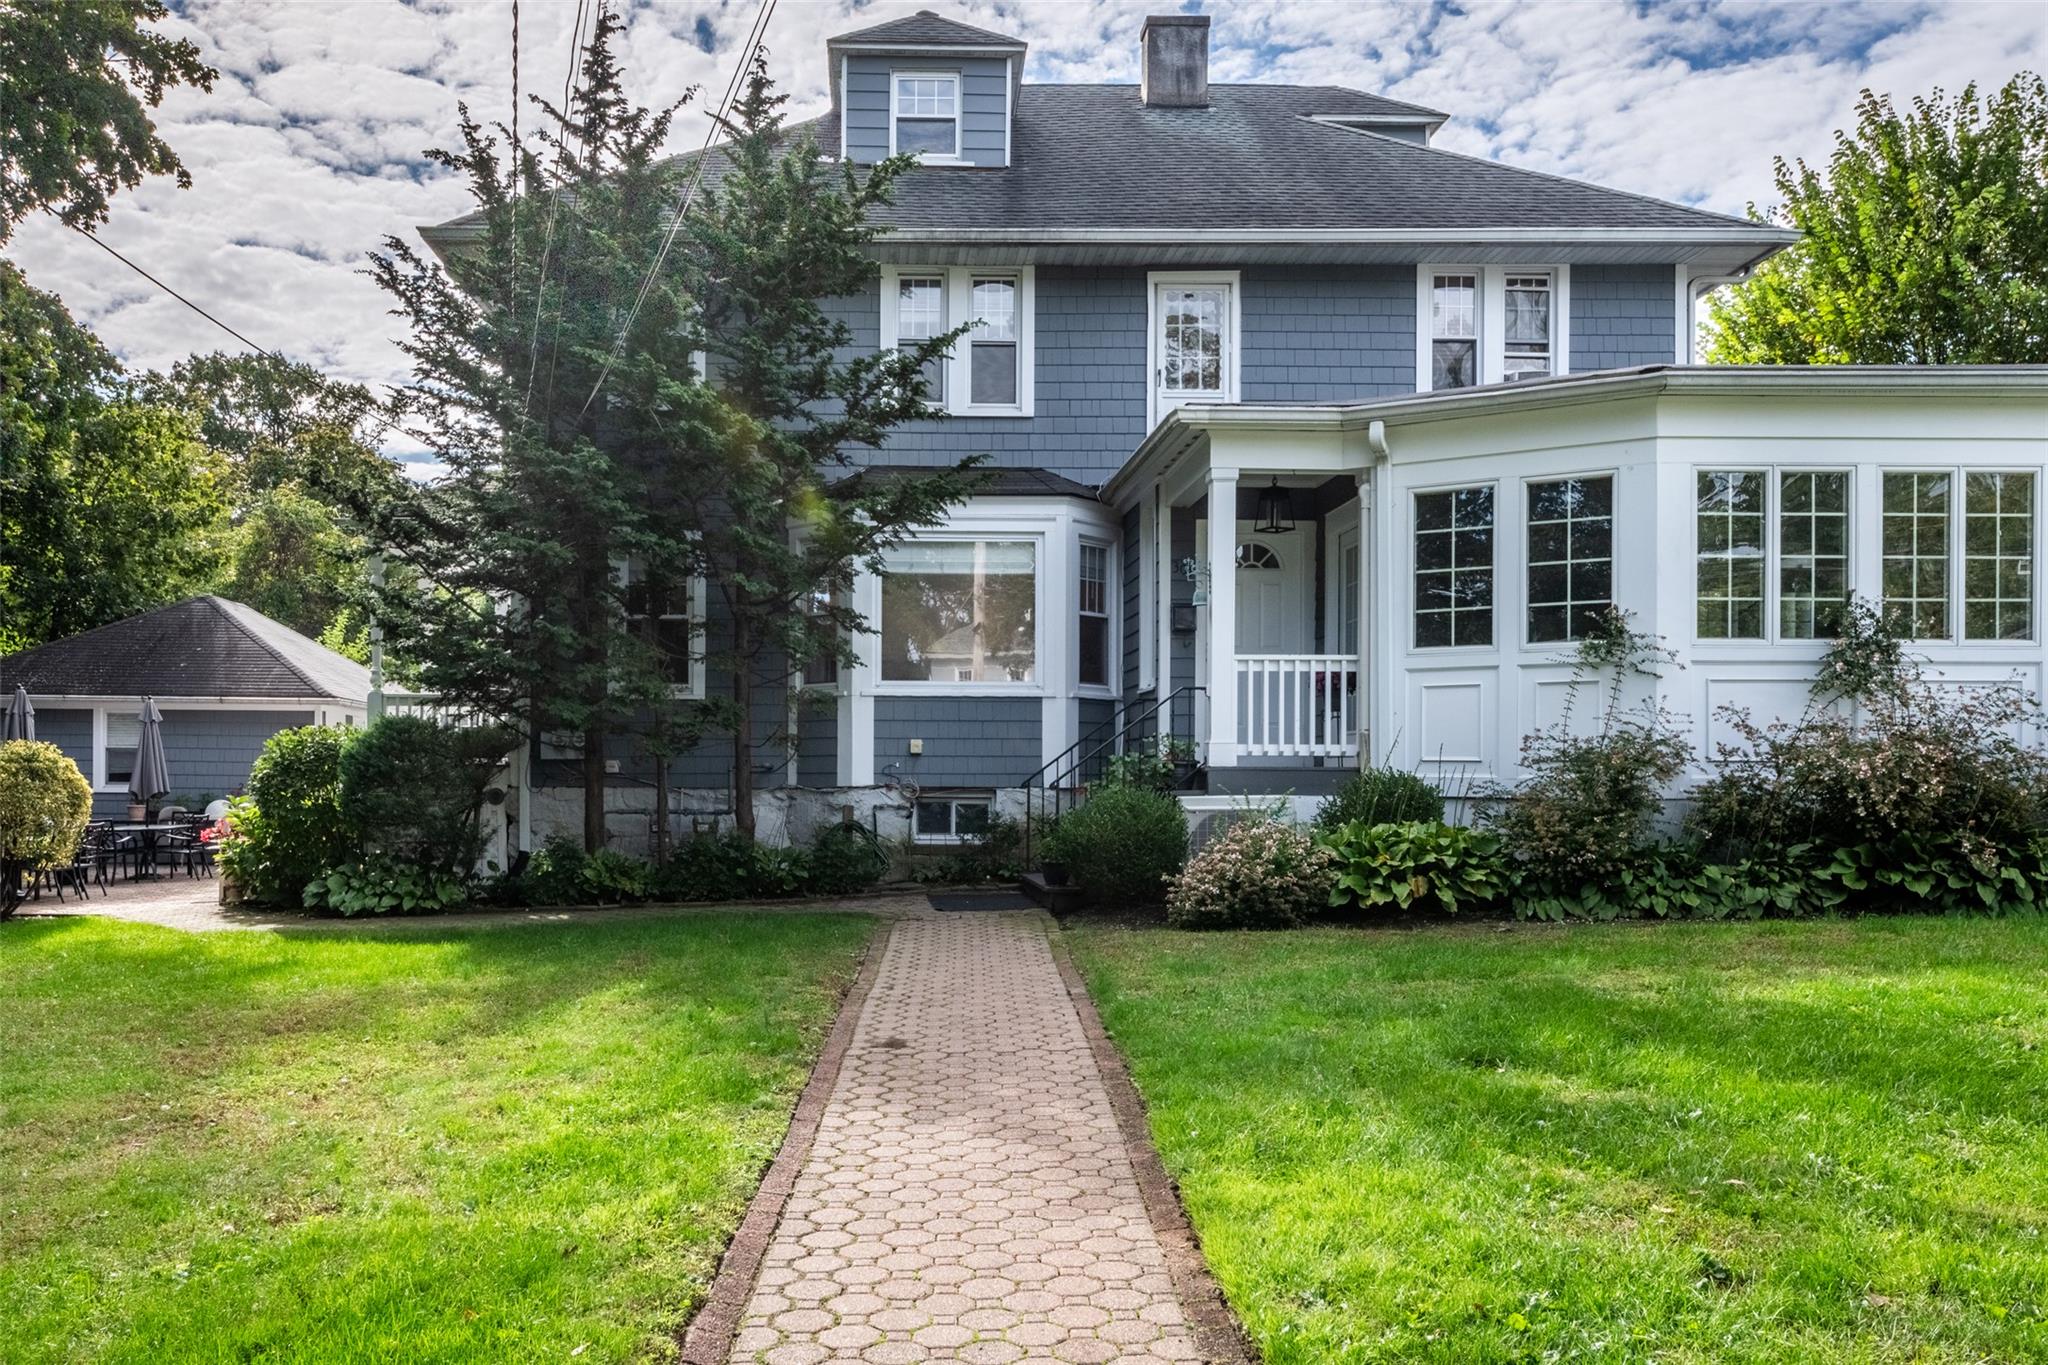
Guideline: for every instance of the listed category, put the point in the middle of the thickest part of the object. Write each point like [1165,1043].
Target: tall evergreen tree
[1926,242]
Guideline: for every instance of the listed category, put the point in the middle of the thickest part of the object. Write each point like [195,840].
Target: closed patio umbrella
[20,722]
[149,778]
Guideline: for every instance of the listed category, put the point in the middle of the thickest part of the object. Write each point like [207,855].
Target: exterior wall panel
[1622,315]
[968,742]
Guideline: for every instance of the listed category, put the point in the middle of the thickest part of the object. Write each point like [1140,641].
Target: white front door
[1272,592]
[1192,336]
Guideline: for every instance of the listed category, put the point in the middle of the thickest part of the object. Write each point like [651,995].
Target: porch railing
[1298,705]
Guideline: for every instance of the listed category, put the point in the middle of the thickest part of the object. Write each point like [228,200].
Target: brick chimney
[1174,69]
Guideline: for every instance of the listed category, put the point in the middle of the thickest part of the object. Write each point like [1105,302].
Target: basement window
[951,819]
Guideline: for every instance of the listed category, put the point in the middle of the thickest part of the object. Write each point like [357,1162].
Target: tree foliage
[77,82]
[1925,242]
[109,504]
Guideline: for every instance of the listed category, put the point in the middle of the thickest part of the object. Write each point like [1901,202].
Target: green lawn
[427,1143]
[1758,1142]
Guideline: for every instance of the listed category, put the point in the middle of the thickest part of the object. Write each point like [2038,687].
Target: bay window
[961,612]
[1094,614]
[1998,555]
[1764,537]
[1729,572]
[1571,556]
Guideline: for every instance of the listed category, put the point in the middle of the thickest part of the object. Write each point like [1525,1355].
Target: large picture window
[1453,568]
[1730,572]
[961,612]
[1094,612]
[1571,556]
[927,114]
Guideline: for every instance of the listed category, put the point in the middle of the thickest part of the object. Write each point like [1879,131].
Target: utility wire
[172,292]
[540,289]
[755,36]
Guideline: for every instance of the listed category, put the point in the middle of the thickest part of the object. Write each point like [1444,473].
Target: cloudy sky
[308,150]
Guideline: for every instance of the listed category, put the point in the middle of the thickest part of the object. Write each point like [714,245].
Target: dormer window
[925,115]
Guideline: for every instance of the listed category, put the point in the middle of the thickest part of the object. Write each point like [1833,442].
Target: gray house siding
[1327,334]
[817,754]
[70,731]
[1622,315]
[208,752]
[968,741]
[984,100]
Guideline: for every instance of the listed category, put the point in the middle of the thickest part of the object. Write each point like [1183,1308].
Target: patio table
[149,833]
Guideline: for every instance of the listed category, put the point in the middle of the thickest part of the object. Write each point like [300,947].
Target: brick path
[968,1195]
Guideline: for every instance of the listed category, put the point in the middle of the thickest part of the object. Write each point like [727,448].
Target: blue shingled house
[1318,443]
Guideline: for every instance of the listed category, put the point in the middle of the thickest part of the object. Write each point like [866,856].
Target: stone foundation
[789,816]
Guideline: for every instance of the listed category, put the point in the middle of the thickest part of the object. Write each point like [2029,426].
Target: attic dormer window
[925,115]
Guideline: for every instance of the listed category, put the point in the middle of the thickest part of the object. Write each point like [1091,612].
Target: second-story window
[987,372]
[920,316]
[1525,344]
[992,345]
[927,114]
[1454,331]
[1490,324]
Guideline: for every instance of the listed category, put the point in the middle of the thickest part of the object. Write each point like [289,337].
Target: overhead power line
[172,292]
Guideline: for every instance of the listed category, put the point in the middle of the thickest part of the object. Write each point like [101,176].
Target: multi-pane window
[992,344]
[928,115]
[920,316]
[960,611]
[1571,556]
[1453,567]
[1813,554]
[1192,320]
[1094,609]
[1730,573]
[1915,538]
[659,611]
[1526,329]
[1998,555]
[1454,331]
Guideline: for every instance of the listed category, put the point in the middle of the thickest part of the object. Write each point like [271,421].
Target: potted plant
[1181,754]
[1052,861]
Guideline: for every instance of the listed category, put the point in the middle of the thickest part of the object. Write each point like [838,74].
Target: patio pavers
[968,1195]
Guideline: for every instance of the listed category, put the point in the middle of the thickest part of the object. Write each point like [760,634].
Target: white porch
[1262,613]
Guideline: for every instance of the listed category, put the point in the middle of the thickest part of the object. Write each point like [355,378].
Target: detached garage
[225,676]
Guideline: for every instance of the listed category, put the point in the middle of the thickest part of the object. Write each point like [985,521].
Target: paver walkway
[968,1195]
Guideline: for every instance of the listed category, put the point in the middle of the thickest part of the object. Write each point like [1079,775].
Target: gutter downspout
[1696,288]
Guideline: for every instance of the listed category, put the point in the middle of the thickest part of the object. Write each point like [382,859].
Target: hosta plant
[1421,864]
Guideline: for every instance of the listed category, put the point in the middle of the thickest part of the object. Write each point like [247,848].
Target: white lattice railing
[432,708]
[1298,705]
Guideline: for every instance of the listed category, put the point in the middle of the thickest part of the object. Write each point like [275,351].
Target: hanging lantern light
[1275,509]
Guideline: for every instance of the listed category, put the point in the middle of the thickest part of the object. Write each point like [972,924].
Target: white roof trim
[1734,232]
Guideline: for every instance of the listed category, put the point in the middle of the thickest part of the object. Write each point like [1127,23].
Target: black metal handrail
[1055,777]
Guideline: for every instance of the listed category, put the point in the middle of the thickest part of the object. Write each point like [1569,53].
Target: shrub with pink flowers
[1257,874]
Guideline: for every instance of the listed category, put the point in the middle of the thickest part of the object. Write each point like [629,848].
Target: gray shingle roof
[200,647]
[995,482]
[924,29]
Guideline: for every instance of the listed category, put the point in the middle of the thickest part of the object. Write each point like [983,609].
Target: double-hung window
[1571,556]
[987,372]
[668,617]
[925,114]
[1453,567]
[1094,614]
[1924,550]
[119,740]
[962,612]
[1489,325]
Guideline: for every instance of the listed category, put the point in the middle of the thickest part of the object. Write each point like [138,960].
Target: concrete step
[1058,899]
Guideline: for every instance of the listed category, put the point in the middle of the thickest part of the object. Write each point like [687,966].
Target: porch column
[1222,640]
[1362,698]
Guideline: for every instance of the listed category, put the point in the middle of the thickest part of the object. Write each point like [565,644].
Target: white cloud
[308,151]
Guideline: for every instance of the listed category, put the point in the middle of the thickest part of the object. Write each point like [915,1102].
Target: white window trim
[1148,613]
[1233,282]
[1111,688]
[99,745]
[1521,514]
[959,109]
[959,365]
[1773,551]
[1958,475]
[878,686]
[1413,603]
[1492,302]
[693,690]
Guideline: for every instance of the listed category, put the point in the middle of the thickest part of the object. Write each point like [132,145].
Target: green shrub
[414,789]
[301,830]
[378,884]
[1257,874]
[1152,771]
[844,859]
[1122,844]
[45,803]
[1381,796]
[1417,864]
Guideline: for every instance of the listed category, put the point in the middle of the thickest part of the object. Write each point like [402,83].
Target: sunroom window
[1998,556]
[961,612]
[927,115]
[1453,568]
[1730,567]
[1915,538]
[1813,554]
[1571,557]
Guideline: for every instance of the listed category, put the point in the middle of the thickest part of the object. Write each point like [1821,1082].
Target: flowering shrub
[1258,874]
[1422,863]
